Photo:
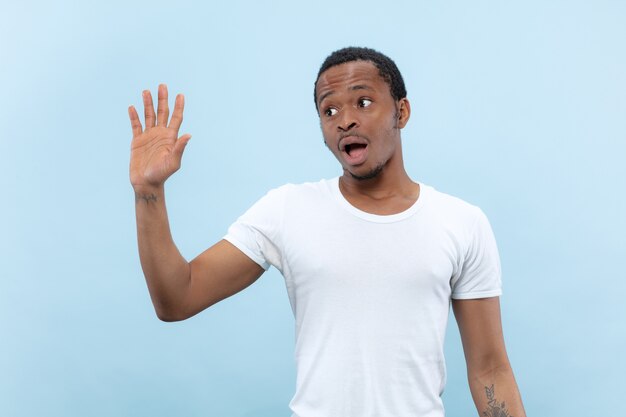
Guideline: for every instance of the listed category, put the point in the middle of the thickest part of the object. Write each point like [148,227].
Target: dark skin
[355,105]
[361,124]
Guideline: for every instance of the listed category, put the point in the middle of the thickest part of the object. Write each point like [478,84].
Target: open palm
[156,152]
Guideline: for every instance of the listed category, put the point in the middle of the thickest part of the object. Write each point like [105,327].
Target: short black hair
[386,67]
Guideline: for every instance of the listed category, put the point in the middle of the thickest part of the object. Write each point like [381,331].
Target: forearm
[167,272]
[495,392]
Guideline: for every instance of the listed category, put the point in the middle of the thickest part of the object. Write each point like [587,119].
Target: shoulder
[296,192]
[305,187]
[449,207]
[288,197]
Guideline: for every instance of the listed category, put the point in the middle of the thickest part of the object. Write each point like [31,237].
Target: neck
[391,191]
[392,180]
[385,184]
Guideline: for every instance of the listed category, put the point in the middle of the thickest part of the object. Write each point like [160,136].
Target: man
[371,259]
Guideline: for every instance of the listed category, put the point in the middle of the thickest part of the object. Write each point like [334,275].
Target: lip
[350,140]
[356,157]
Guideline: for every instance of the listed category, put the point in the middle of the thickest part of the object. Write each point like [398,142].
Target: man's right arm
[179,289]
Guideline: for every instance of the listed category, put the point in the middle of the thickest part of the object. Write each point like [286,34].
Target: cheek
[328,139]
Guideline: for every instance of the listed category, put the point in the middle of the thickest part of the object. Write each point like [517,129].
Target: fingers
[135,123]
[148,109]
[177,116]
[163,111]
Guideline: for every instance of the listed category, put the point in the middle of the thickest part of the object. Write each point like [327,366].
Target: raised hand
[156,152]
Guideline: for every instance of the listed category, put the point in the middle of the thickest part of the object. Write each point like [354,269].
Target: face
[360,119]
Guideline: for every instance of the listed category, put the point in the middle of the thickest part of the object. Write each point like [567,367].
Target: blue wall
[518,107]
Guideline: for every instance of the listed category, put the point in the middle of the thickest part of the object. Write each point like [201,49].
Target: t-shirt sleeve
[480,274]
[256,233]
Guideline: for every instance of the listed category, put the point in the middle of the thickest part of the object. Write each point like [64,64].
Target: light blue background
[518,107]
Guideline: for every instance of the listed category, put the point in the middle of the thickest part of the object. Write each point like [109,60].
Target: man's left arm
[490,376]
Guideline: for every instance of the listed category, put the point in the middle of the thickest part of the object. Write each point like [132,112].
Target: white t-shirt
[370,294]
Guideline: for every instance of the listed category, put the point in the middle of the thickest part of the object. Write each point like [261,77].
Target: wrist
[148,193]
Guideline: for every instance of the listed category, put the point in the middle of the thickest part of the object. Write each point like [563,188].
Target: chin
[373,173]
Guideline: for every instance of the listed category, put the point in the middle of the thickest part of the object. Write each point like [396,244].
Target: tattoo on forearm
[494,409]
[146,197]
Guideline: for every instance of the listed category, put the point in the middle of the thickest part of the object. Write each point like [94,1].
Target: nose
[345,128]
[347,121]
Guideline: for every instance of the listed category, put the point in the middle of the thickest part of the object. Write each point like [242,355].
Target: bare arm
[178,289]
[489,372]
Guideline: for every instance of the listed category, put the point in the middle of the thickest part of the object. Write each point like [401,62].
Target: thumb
[180,145]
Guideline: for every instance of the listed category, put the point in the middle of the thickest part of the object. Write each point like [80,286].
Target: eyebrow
[361,87]
[352,88]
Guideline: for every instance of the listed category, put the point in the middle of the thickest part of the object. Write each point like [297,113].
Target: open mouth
[357,148]
[355,153]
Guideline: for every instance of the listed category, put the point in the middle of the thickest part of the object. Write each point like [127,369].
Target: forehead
[348,75]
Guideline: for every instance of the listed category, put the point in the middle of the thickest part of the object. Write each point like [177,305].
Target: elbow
[168,318]
[170,315]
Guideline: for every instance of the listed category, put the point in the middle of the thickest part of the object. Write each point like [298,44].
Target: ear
[404,112]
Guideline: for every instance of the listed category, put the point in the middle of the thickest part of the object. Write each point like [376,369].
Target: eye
[331,111]
[364,102]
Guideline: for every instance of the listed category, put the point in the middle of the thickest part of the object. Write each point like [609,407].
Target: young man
[371,259]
